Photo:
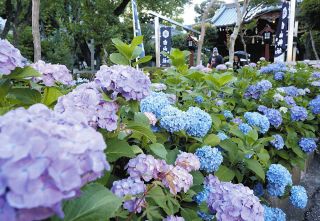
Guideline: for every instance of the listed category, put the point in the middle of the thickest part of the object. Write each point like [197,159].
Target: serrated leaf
[172,156]
[118,58]
[212,140]
[159,150]
[137,40]
[255,167]
[25,96]
[142,130]
[118,148]
[96,203]
[51,95]
[143,60]
[22,73]
[198,178]
[141,118]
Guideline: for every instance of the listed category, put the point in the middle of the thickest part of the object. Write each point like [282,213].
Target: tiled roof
[227,14]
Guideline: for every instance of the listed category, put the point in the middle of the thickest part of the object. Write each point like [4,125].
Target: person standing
[215,59]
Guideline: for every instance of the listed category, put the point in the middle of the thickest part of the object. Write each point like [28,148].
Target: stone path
[312,184]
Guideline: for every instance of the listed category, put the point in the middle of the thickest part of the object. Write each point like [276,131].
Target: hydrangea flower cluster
[298,113]
[10,57]
[227,114]
[315,83]
[273,68]
[210,158]
[278,76]
[198,99]
[316,74]
[278,178]
[202,196]
[199,122]
[237,120]
[143,166]
[258,189]
[221,67]
[131,83]
[188,161]
[273,214]
[290,101]
[158,87]
[88,100]
[130,186]
[52,73]
[173,119]
[278,97]
[45,158]
[219,103]
[245,128]
[257,120]
[255,91]
[290,91]
[308,145]
[277,142]
[299,197]
[173,218]
[154,103]
[274,116]
[252,64]
[202,68]
[315,105]
[233,202]
[222,136]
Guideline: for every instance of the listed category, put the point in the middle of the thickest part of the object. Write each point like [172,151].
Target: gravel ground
[311,182]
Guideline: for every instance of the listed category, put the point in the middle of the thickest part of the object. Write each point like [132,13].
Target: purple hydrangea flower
[233,202]
[308,145]
[264,85]
[290,91]
[10,57]
[290,101]
[177,179]
[273,68]
[45,158]
[202,68]
[277,142]
[221,67]
[52,73]
[173,218]
[252,64]
[130,187]
[143,166]
[257,120]
[87,99]
[274,116]
[315,105]
[131,83]
[219,103]
[298,113]
[188,161]
[237,120]
[255,91]
[316,74]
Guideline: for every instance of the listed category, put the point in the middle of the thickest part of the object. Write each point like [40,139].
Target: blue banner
[165,45]
[136,24]
[282,33]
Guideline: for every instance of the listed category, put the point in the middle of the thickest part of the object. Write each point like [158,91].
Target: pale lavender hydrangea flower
[202,68]
[151,117]
[221,67]
[177,179]
[131,83]
[233,202]
[87,99]
[173,218]
[52,73]
[45,158]
[10,57]
[188,161]
[143,166]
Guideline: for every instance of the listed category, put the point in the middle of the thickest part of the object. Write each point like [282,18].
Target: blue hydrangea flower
[222,136]
[298,113]
[173,119]
[316,75]
[252,92]
[219,102]
[273,214]
[245,128]
[308,145]
[198,99]
[154,103]
[257,120]
[264,85]
[205,216]
[274,116]
[278,177]
[315,105]
[210,158]
[227,114]
[290,101]
[278,76]
[290,91]
[262,108]
[198,122]
[258,189]
[201,196]
[277,142]
[299,197]
[273,68]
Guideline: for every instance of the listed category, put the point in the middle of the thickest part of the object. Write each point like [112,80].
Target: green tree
[200,9]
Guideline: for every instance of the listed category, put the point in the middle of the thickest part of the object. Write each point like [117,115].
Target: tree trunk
[9,16]
[203,31]
[313,46]
[234,35]
[120,9]
[244,43]
[6,29]
[36,30]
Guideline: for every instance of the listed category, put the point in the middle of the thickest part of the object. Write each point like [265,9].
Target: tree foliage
[309,13]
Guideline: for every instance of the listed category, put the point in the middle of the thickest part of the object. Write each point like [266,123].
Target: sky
[189,13]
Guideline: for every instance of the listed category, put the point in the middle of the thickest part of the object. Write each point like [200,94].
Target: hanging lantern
[256,30]
[253,40]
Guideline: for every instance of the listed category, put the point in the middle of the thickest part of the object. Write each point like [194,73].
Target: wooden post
[291,29]
[267,52]
[191,58]
[36,30]
[157,40]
